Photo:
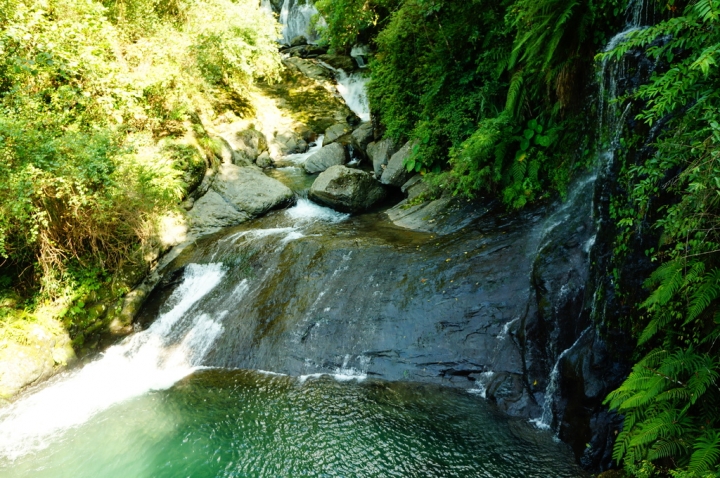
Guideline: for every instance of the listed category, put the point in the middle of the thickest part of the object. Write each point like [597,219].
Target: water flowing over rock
[295,17]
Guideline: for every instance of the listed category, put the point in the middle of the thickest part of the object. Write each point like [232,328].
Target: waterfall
[295,17]
[545,421]
[155,359]
[611,118]
[353,89]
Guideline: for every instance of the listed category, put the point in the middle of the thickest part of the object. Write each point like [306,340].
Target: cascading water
[295,18]
[353,89]
[610,123]
[170,349]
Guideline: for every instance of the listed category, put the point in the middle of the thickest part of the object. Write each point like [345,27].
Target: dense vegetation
[102,106]
[499,106]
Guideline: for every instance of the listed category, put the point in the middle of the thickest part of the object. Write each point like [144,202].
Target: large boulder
[395,173]
[363,135]
[249,144]
[240,143]
[346,189]
[380,153]
[309,68]
[339,62]
[236,195]
[334,132]
[46,350]
[332,155]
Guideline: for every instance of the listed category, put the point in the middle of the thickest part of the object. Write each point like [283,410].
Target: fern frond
[707,452]
[669,276]
[705,293]
[658,323]
[666,448]
[516,93]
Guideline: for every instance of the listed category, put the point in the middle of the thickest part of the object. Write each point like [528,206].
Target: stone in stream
[245,143]
[331,155]
[340,62]
[334,132]
[346,189]
[395,173]
[236,195]
[363,135]
[264,160]
[298,41]
[380,153]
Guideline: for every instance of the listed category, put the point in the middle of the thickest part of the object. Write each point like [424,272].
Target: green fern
[704,294]
[707,452]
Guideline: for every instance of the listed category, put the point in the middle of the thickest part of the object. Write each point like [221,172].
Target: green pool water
[218,423]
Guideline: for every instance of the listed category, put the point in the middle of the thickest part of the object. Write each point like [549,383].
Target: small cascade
[611,74]
[300,158]
[295,17]
[545,421]
[353,89]
[172,348]
[360,54]
[580,202]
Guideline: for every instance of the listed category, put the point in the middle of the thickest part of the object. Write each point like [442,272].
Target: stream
[314,343]
[226,381]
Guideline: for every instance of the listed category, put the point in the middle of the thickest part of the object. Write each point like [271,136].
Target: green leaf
[529,133]
[410,165]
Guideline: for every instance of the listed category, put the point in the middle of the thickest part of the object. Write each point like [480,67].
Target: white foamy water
[300,158]
[353,89]
[295,19]
[306,210]
[154,359]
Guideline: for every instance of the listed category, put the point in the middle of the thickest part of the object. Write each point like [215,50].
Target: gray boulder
[264,160]
[414,187]
[331,155]
[363,135]
[334,132]
[310,69]
[395,173]
[346,189]
[249,144]
[380,153]
[298,40]
[340,62]
[236,195]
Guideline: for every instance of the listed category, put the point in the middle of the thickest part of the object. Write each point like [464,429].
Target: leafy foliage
[672,396]
[101,110]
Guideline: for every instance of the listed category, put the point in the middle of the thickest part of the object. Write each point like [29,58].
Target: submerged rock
[347,190]
[331,155]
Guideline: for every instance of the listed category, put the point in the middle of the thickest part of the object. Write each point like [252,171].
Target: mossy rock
[308,101]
